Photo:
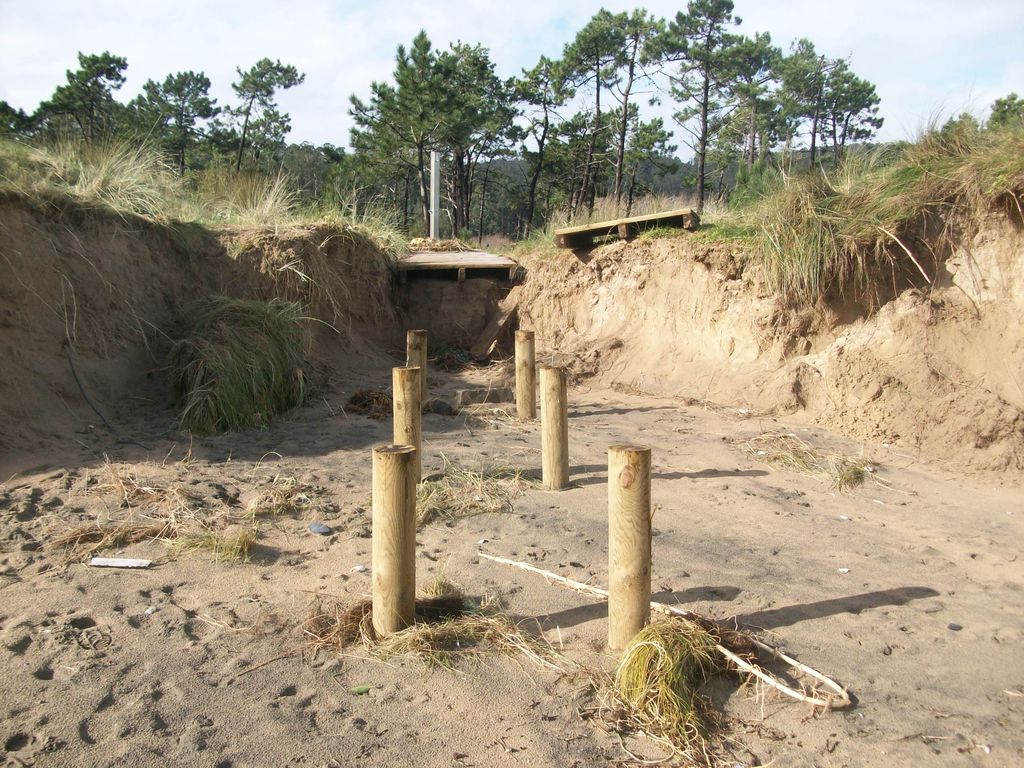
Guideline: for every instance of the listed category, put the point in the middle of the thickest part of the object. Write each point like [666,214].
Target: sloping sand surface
[908,590]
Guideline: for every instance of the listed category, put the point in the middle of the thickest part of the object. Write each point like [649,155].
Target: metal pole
[435,195]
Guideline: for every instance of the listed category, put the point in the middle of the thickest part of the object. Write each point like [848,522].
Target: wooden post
[554,429]
[393,567]
[629,542]
[526,376]
[407,413]
[416,354]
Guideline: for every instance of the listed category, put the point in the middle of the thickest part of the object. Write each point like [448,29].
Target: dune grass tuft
[657,686]
[242,364]
[122,176]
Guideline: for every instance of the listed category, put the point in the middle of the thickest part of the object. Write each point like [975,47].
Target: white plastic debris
[844,517]
[483,541]
[743,411]
[150,611]
[119,562]
[844,570]
[359,569]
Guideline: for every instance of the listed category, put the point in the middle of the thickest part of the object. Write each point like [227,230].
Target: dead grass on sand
[448,628]
[375,403]
[457,492]
[787,451]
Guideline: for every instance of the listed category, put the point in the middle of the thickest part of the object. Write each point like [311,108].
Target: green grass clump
[241,365]
[658,681]
[885,218]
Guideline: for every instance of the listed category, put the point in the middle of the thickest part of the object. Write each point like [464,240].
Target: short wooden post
[393,567]
[629,542]
[407,413]
[554,429]
[526,376]
[416,355]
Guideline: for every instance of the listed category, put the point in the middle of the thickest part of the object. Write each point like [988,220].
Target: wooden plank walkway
[431,260]
[627,229]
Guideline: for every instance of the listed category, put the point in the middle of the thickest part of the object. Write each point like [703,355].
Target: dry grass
[96,537]
[123,480]
[176,517]
[425,244]
[223,545]
[458,492]
[375,403]
[448,629]
[787,451]
[284,496]
[338,269]
[451,359]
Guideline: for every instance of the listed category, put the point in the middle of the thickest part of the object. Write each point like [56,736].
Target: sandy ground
[156,667]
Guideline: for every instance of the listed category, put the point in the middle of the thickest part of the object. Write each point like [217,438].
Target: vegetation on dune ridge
[242,364]
[885,218]
[133,180]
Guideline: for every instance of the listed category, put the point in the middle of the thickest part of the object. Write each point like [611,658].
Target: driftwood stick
[907,251]
[840,700]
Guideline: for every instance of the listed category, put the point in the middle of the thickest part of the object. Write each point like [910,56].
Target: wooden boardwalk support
[393,564]
[407,412]
[507,309]
[554,429]
[467,261]
[526,376]
[583,236]
[416,355]
[629,542]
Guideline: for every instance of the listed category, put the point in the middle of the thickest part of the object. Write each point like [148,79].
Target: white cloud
[925,56]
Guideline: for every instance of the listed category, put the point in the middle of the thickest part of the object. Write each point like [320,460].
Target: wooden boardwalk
[461,262]
[627,229]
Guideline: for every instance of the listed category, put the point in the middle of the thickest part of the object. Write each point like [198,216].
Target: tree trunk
[405,203]
[424,186]
[751,133]
[632,189]
[585,185]
[535,178]
[483,200]
[702,139]
[245,130]
[624,122]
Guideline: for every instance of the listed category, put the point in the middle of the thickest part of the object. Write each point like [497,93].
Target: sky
[927,58]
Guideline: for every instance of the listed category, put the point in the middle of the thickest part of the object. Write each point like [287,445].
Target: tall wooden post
[393,567]
[629,542]
[407,413]
[416,354]
[554,429]
[526,376]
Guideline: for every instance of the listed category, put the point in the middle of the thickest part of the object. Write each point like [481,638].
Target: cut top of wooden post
[583,236]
